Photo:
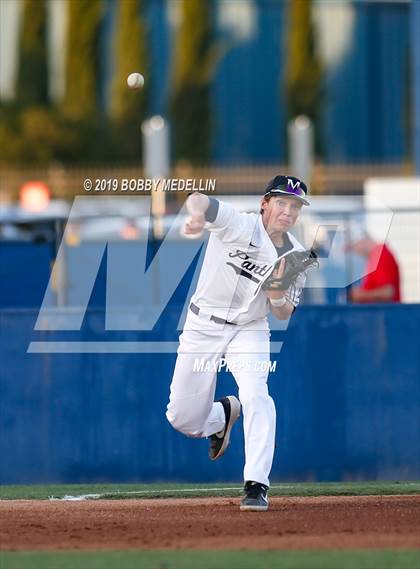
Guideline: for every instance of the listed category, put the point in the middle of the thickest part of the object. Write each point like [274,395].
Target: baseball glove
[297,262]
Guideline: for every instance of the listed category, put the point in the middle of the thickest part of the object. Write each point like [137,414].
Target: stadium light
[34,196]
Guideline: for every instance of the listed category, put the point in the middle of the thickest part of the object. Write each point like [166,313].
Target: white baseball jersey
[240,256]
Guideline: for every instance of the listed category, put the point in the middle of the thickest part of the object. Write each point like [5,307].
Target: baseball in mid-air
[135,80]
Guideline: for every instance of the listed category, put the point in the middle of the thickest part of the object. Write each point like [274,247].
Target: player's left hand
[278,273]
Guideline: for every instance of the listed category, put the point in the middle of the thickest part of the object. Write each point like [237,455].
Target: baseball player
[227,319]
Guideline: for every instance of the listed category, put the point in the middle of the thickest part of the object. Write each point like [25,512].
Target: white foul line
[154,493]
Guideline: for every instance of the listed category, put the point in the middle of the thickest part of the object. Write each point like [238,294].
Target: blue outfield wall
[346,389]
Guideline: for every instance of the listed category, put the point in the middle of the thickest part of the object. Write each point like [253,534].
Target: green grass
[164,490]
[188,559]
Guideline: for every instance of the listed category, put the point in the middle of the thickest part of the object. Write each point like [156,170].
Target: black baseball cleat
[256,498]
[220,441]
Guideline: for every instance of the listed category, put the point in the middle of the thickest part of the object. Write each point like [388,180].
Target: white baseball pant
[192,410]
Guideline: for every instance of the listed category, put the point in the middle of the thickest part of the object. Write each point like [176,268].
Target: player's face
[280,213]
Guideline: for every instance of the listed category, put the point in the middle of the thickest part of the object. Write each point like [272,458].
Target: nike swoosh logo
[243,273]
[252,245]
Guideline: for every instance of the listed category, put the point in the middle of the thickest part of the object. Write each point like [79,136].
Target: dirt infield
[216,523]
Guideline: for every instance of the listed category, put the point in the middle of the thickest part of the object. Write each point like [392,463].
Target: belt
[194,308]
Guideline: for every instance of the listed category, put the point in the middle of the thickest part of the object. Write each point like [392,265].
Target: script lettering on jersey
[248,264]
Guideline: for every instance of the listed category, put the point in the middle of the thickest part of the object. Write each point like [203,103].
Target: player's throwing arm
[197,204]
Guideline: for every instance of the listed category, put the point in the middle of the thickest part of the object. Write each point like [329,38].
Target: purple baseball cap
[288,186]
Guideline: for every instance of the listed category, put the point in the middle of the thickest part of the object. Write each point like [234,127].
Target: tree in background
[32,76]
[303,70]
[128,107]
[80,100]
[195,58]
[80,108]
[30,131]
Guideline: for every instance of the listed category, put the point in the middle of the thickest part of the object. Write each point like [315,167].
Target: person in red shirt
[382,276]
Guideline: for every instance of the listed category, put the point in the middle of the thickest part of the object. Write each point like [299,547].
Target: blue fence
[24,272]
[346,388]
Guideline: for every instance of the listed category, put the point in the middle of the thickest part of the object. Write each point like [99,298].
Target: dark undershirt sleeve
[281,250]
[212,210]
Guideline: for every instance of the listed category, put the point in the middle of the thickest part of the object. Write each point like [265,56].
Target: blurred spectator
[130,231]
[382,276]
